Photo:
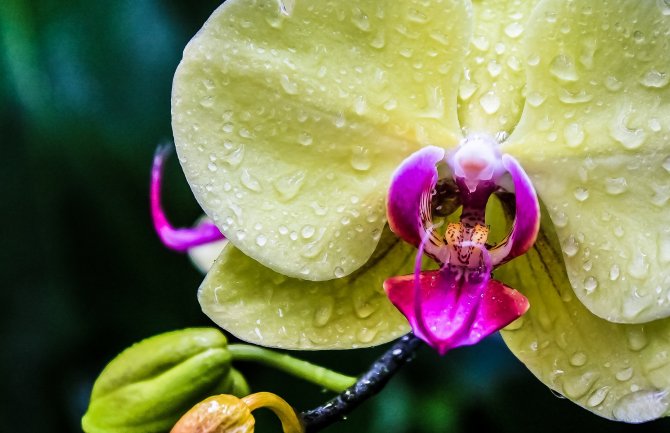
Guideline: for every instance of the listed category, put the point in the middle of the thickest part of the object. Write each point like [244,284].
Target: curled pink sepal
[526,223]
[408,205]
[178,239]
[453,311]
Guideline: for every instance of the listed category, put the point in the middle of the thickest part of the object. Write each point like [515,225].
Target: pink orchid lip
[178,239]
[459,304]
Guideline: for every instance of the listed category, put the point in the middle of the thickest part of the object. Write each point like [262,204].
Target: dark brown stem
[367,386]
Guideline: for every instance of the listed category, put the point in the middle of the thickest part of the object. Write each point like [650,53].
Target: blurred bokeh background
[85,99]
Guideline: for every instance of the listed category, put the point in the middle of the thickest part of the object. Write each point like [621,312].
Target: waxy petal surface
[618,371]
[289,118]
[454,314]
[263,307]
[491,93]
[594,139]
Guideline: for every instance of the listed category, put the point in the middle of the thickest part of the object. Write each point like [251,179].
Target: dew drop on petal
[324,312]
[570,246]
[514,30]
[624,374]
[490,102]
[574,134]
[250,181]
[641,406]
[598,396]
[563,68]
[666,164]
[307,231]
[338,272]
[616,185]
[581,193]
[590,285]
[655,79]
[615,271]
[613,84]
[261,240]
[663,6]
[578,359]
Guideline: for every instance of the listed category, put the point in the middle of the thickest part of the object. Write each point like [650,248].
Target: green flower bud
[147,387]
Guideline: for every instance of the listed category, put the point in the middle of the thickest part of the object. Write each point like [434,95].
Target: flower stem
[367,385]
[318,375]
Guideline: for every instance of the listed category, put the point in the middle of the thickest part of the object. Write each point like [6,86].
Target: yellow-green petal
[491,91]
[289,118]
[618,371]
[595,139]
[264,307]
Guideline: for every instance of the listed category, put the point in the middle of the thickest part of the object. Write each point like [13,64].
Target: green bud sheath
[148,386]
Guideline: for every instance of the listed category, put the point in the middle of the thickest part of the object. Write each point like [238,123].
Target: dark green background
[85,98]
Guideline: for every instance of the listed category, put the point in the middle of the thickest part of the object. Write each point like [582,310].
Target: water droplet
[211,166]
[619,130]
[305,138]
[663,6]
[514,30]
[339,272]
[361,20]
[207,101]
[615,271]
[577,386]
[616,185]
[570,246]
[307,231]
[360,158]
[490,102]
[289,86]
[654,124]
[624,374]
[417,16]
[666,164]
[466,89]
[639,267]
[360,105]
[289,186]
[494,68]
[598,396]
[581,193]
[366,335]
[578,97]
[560,219]
[641,406]
[379,41]
[655,79]
[574,134]
[563,68]
[234,153]
[261,240]
[637,338]
[578,359]
[590,285]
[535,99]
[250,181]
[481,42]
[611,83]
[664,248]
[323,314]
[340,121]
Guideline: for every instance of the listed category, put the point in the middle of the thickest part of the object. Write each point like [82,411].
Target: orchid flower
[459,304]
[290,119]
